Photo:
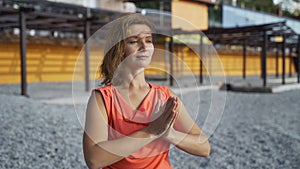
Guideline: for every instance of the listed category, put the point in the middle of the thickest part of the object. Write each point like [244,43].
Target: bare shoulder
[96,103]
[96,94]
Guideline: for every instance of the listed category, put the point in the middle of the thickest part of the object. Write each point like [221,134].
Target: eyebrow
[137,36]
[148,34]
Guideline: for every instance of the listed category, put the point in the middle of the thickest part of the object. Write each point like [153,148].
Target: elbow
[206,152]
[93,164]
[204,149]
[90,161]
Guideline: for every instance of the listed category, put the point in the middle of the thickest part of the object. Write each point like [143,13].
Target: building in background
[194,12]
[113,5]
[221,15]
[52,52]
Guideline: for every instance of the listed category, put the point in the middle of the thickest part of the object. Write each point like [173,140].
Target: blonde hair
[115,44]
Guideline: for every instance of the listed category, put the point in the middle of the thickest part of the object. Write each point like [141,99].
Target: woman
[131,123]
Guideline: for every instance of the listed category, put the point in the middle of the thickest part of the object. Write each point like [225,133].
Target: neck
[132,79]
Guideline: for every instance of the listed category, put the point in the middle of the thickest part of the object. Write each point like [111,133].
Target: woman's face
[139,47]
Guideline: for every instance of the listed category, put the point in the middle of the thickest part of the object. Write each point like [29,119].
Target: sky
[276,1]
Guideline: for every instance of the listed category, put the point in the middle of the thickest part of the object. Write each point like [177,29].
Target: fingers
[176,103]
[171,103]
[162,110]
[165,118]
[172,118]
[174,113]
[159,105]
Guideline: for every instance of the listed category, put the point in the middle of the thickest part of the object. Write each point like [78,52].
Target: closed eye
[133,42]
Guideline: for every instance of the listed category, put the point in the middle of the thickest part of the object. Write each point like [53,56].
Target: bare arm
[99,151]
[186,134]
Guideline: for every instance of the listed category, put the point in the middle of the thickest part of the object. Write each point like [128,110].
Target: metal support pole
[210,66]
[87,54]
[171,50]
[277,60]
[167,41]
[298,53]
[283,59]
[244,58]
[177,60]
[201,61]
[22,27]
[182,60]
[161,16]
[290,63]
[264,59]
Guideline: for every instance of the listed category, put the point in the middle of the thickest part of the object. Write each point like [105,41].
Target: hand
[164,118]
[169,135]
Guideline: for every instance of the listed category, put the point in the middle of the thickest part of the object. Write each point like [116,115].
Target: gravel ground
[256,130]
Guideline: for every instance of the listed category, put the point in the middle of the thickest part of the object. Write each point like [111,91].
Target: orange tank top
[123,120]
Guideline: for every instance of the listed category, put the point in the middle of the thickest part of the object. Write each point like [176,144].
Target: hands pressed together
[163,119]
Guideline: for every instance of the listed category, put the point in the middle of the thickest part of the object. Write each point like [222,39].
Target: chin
[142,65]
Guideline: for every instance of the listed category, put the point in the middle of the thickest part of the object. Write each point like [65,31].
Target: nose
[143,44]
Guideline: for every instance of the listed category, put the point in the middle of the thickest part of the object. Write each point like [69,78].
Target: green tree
[259,5]
[165,5]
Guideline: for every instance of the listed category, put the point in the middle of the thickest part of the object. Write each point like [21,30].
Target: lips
[142,57]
